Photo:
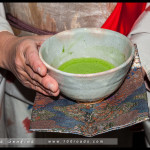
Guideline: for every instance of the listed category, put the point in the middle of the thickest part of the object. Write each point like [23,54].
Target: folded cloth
[126,107]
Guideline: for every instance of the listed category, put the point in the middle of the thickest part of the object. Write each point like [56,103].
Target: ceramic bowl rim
[92,74]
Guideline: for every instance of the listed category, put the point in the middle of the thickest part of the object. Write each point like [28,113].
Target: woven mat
[126,107]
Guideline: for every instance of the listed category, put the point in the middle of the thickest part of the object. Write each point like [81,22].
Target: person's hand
[22,59]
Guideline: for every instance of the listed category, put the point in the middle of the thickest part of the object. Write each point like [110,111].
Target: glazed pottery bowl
[88,42]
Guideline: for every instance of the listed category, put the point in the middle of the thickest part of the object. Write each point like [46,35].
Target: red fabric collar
[123,17]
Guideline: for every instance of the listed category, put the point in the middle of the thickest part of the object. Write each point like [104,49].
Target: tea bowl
[83,43]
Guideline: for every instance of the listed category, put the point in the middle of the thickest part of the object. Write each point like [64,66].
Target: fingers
[44,91]
[35,70]
[31,47]
[35,86]
[47,83]
[32,59]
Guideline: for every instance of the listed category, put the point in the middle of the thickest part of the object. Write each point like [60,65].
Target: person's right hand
[22,59]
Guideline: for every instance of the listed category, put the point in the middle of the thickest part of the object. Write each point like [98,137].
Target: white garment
[2,120]
[4,25]
[11,120]
[140,35]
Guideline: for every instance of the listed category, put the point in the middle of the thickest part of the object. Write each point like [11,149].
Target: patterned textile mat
[126,107]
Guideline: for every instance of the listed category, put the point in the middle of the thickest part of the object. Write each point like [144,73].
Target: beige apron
[57,17]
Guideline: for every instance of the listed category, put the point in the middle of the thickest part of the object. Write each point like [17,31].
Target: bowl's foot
[88,103]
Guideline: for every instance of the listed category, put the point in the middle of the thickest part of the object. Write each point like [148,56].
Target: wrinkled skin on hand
[24,62]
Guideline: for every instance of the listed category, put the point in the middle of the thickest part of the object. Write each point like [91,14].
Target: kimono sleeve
[140,35]
[4,25]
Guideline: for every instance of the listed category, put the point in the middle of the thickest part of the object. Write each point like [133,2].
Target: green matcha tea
[85,66]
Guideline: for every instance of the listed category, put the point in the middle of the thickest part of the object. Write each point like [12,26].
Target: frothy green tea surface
[85,66]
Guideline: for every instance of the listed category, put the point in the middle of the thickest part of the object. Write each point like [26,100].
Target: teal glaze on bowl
[88,42]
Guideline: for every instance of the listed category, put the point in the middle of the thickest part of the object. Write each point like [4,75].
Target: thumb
[40,39]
